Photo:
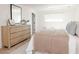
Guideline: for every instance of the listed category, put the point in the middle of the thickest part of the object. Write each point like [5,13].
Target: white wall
[70,14]
[5,15]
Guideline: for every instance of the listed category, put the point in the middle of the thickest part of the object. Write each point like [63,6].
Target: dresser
[12,35]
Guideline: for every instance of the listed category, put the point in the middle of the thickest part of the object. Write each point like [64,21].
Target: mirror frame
[11,11]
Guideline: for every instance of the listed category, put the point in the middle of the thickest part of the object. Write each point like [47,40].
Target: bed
[55,42]
[51,42]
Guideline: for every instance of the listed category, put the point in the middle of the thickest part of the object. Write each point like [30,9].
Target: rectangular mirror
[16,13]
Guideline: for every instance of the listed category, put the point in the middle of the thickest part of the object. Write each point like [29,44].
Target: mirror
[16,13]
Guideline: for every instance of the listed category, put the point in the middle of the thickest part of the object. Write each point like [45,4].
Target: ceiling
[41,7]
[50,8]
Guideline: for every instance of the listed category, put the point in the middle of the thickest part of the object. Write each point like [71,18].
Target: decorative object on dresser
[12,35]
[23,22]
[10,22]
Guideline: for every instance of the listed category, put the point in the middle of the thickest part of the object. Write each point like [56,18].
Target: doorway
[33,23]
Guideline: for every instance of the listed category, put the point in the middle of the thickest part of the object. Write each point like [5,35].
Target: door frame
[33,22]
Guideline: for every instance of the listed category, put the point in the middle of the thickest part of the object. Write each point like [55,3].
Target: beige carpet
[18,49]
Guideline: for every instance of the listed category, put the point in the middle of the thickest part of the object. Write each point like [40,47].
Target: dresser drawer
[18,29]
[18,39]
[28,35]
[18,34]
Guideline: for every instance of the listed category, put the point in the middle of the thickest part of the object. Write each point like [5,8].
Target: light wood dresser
[12,35]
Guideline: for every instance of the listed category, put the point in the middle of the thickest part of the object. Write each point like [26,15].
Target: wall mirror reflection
[16,13]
